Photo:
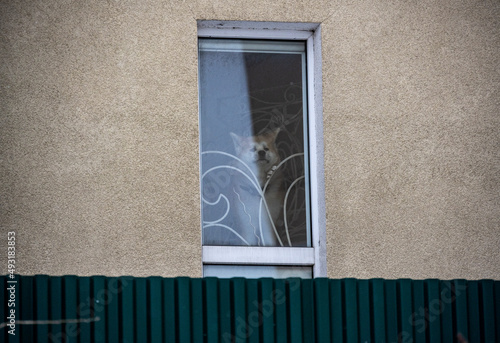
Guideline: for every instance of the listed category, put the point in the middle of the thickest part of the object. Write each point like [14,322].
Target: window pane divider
[277,256]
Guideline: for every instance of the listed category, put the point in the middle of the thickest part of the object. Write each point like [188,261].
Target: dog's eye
[253,149]
[266,149]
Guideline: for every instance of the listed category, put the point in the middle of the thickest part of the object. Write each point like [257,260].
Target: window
[260,141]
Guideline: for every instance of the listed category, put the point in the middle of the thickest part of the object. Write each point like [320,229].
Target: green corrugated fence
[154,309]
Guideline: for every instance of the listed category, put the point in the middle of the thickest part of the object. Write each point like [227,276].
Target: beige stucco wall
[99,135]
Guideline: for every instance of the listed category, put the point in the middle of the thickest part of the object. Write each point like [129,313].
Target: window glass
[254,272]
[253,127]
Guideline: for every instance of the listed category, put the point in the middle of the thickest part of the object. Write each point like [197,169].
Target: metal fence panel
[154,309]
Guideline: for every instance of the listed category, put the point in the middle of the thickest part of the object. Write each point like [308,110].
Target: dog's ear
[236,141]
[273,134]
[276,131]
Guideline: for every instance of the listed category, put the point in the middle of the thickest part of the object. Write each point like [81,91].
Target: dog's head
[260,149]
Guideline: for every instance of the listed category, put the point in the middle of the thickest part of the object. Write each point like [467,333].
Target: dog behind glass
[254,217]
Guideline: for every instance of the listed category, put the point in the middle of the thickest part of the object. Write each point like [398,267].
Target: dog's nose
[262,153]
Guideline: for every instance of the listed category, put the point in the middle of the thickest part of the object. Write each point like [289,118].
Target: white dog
[254,214]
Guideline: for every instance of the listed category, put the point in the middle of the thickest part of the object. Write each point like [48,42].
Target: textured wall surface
[99,134]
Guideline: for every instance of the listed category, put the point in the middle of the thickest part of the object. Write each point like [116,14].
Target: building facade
[100,135]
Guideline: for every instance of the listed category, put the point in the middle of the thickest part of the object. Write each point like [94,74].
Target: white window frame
[314,256]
